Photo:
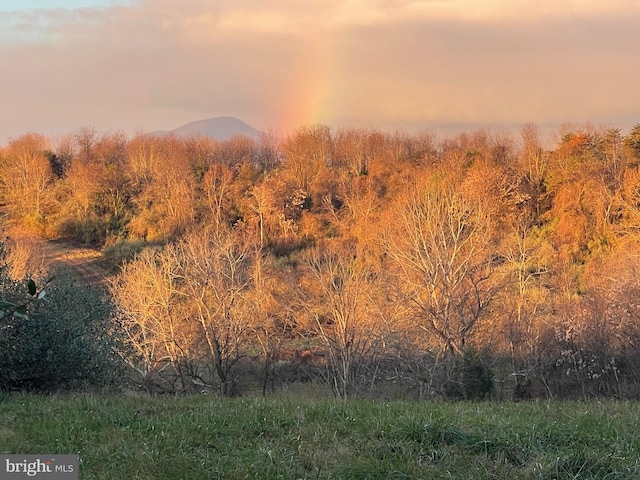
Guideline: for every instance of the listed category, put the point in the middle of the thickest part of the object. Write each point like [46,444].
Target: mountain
[218,128]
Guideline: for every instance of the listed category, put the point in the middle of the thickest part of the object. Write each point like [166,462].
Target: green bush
[64,340]
[470,378]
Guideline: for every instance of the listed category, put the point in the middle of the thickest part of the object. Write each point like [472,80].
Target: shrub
[123,251]
[471,378]
[64,340]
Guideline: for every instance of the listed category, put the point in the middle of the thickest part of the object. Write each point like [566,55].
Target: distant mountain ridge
[217,128]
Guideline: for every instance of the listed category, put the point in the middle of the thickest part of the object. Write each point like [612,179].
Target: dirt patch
[85,264]
[31,255]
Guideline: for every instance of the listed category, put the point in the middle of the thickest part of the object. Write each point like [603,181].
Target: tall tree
[632,143]
[217,273]
[442,250]
[340,292]
[155,320]
[308,153]
[25,179]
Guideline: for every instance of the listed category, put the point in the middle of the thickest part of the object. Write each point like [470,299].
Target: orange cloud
[278,63]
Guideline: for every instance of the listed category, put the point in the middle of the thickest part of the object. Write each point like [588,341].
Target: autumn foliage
[469,266]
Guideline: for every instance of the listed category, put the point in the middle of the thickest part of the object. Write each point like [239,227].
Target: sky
[145,65]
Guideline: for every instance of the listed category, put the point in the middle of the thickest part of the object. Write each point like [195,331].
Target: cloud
[156,64]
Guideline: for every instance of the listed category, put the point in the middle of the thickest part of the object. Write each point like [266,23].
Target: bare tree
[148,293]
[217,193]
[217,279]
[307,154]
[25,176]
[339,297]
[187,306]
[26,255]
[262,203]
[441,247]
[273,315]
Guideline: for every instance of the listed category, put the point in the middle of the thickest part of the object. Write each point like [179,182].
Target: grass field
[201,437]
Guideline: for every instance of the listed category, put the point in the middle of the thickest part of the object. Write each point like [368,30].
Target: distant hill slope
[218,128]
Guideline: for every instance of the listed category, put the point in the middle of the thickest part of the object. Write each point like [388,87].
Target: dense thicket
[467,266]
[56,335]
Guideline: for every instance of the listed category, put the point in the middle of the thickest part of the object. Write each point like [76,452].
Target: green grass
[201,437]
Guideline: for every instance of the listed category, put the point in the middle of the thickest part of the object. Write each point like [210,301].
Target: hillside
[472,266]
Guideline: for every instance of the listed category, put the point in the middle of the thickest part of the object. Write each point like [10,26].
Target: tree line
[479,265]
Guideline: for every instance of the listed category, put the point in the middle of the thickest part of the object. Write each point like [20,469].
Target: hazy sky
[276,64]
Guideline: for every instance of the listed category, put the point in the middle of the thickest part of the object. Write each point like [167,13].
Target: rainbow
[315,88]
